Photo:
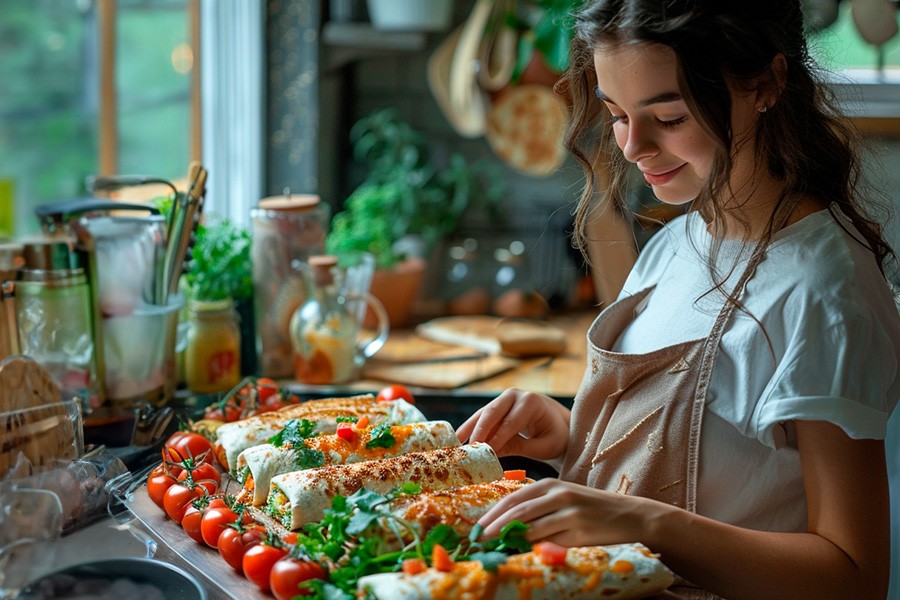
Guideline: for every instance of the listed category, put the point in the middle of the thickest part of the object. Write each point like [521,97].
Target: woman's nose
[638,143]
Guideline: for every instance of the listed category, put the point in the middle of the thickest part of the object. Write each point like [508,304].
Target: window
[92,86]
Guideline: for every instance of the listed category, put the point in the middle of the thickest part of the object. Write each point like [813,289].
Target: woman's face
[651,121]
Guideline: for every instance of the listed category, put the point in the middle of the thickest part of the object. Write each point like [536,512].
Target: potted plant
[545,30]
[405,193]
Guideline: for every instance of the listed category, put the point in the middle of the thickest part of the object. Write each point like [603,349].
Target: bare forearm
[739,563]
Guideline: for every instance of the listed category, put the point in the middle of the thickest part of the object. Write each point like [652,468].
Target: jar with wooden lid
[212,357]
[287,230]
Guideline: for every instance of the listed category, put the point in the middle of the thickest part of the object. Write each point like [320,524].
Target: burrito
[233,438]
[620,572]
[268,460]
[302,496]
[458,507]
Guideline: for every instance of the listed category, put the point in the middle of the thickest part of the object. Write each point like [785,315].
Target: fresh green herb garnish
[294,432]
[359,535]
[381,437]
[346,419]
[241,475]
[307,458]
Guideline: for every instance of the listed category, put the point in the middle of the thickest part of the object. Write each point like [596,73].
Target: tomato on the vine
[267,389]
[184,444]
[203,474]
[178,497]
[259,560]
[395,392]
[236,539]
[288,573]
[193,516]
[229,413]
[215,521]
[159,480]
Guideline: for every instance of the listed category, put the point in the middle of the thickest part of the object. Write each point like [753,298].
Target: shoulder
[820,264]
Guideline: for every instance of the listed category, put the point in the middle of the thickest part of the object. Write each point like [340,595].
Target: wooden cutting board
[442,374]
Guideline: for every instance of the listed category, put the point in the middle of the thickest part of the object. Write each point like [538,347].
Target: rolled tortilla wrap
[233,438]
[266,460]
[458,507]
[301,497]
[621,572]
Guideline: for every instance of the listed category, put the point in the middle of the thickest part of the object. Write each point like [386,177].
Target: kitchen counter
[557,376]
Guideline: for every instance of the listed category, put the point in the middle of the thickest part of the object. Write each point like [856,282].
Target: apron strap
[710,349]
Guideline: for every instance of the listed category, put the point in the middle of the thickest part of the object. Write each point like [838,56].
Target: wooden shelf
[344,43]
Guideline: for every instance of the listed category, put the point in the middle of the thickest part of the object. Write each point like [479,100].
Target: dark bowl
[172,582]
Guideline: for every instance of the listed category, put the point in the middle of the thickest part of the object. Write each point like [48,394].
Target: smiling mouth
[662,178]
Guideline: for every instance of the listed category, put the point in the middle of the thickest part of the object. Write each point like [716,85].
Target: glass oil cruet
[325,328]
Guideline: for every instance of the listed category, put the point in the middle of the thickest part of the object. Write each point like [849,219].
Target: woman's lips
[662,178]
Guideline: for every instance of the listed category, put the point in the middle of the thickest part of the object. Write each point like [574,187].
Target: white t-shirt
[834,332]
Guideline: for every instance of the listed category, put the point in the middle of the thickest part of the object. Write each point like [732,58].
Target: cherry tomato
[203,474]
[265,389]
[234,541]
[395,392]
[177,499]
[192,518]
[215,521]
[230,413]
[288,573]
[158,482]
[191,445]
[258,562]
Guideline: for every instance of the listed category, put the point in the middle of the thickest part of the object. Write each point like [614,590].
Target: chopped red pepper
[345,432]
[414,566]
[514,474]
[550,554]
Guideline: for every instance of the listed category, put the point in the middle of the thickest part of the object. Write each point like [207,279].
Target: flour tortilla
[458,507]
[233,438]
[265,461]
[308,493]
[585,576]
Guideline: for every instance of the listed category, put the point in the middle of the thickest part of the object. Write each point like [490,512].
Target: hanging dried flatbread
[525,128]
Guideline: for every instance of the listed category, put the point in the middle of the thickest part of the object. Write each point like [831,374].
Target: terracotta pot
[398,289]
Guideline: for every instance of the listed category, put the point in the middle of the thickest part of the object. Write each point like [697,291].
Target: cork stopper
[290,202]
[321,266]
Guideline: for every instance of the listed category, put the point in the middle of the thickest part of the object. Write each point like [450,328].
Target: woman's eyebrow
[657,99]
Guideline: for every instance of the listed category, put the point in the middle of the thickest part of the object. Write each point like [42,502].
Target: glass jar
[212,357]
[466,289]
[55,318]
[287,230]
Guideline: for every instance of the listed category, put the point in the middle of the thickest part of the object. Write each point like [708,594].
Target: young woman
[735,402]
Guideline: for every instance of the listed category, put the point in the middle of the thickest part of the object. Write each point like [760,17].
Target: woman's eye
[617,118]
[673,123]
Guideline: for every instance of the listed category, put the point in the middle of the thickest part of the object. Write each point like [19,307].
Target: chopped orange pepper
[440,559]
[363,422]
[622,567]
[514,474]
[414,566]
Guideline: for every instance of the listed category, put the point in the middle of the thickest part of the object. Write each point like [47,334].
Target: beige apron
[636,419]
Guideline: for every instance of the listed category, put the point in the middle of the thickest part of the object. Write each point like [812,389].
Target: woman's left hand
[570,514]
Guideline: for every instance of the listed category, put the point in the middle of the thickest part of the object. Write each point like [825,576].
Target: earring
[763,108]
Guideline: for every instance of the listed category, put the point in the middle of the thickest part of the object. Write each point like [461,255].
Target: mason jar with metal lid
[55,317]
[287,230]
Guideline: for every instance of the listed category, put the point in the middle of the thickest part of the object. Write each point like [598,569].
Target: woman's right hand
[521,424]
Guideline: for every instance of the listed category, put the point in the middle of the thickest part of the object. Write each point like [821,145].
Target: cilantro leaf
[346,419]
[294,432]
[381,437]
[308,458]
[489,560]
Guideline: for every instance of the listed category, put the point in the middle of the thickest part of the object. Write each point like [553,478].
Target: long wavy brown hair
[803,140]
